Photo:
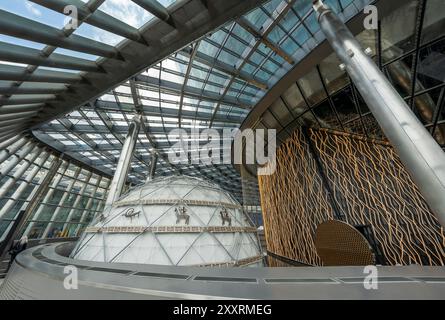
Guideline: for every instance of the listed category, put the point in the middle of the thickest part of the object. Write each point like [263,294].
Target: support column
[417,149]
[154,162]
[120,176]
[11,149]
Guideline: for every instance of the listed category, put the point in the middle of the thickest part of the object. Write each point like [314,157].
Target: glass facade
[409,48]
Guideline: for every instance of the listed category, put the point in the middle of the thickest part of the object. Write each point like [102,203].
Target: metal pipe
[14,73]
[17,26]
[418,151]
[5,144]
[20,54]
[95,18]
[154,162]
[120,176]
[11,149]
[16,158]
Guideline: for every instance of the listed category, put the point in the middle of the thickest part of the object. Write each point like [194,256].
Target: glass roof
[212,83]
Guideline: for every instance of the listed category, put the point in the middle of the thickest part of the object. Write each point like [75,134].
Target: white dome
[178,220]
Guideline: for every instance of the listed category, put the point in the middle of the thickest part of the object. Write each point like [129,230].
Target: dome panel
[175,220]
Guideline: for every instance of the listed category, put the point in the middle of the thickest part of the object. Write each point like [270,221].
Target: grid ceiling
[211,83]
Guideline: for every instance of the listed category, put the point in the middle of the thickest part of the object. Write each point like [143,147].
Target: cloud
[126,11]
[31,7]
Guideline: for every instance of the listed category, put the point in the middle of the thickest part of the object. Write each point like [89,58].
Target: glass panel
[333,76]
[398,30]
[431,66]
[434,22]
[344,104]
[281,112]
[312,87]
[294,100]
[399,73]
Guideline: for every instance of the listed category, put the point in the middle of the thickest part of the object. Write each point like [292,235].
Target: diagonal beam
[243,22]
[186,78]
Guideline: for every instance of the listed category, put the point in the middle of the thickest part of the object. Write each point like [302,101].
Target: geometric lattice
[324,175]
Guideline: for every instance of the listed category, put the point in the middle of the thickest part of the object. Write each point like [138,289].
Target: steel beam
[28,99]
[20,54]
[95,18]
[33,201]
[88,206]
[166,112]
[16,26]
[15,73]
[120,176]
[8,150]
[48,89]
